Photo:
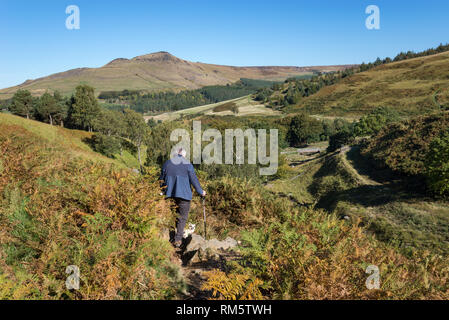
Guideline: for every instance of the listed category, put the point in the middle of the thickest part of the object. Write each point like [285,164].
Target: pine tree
[22,104]
[49,109]
[84,108]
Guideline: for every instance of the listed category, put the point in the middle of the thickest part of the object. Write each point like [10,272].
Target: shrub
[232,287]
[314,255]
[339,140]
[375,121]
[241,202]
[106,145]
[304,130]
[437,165]
[403,146]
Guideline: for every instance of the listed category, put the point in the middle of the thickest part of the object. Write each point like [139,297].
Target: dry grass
[61,207]
[409,86]
[155,72]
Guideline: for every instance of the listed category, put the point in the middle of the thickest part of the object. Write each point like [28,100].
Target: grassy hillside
[153,72]
[70,139]
[61,205]
[394,209]
[414,86]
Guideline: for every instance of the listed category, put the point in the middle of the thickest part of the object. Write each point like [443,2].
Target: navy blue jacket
[178,174]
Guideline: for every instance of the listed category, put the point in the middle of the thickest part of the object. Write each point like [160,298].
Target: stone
[201,250]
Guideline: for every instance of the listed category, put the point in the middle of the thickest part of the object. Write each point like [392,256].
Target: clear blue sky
[35,42]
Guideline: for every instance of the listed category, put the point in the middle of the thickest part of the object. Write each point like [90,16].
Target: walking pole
[204,218]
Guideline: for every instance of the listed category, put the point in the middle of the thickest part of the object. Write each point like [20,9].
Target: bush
[314,255]
[304,130]
[403,146]
[339,140]
[106,145]
[437,165]
[375,121]
[241,202]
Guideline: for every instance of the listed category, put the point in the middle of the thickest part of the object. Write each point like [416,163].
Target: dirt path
[363,179]
[194,268]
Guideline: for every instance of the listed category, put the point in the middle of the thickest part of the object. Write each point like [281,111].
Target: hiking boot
[177,244]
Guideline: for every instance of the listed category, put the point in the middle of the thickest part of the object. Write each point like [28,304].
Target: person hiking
[177,175]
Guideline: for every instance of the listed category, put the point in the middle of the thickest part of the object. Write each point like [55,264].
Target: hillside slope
[73,140]
[156,71]
[348,185]
[61,206]
[412,86]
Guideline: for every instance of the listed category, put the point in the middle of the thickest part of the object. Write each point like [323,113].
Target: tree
[340,139]
[437,165]
[105,145]
[375,121]
[22,104]
[136,130]
[159,142]
[304,130]
[111,123]
[84,108]
[50,109]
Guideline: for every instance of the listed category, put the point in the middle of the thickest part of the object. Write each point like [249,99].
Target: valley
[361,181]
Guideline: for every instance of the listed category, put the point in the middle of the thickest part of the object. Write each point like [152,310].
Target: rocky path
[197,256]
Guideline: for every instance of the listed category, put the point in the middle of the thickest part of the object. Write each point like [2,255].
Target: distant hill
[414,86]
[157,71]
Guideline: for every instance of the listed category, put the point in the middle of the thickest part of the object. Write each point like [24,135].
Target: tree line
[155,102]
[304,129]
[115,131]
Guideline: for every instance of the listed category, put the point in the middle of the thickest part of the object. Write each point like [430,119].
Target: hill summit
[156,72]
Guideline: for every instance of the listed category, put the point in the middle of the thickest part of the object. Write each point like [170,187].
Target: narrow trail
[195,274]
[363,179]
[195,264]
[194,271]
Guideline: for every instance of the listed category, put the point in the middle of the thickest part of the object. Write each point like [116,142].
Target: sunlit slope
[414,86]
[63,205]
[70,140]
[155,72]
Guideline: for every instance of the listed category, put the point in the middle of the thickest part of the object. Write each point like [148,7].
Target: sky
[34,40]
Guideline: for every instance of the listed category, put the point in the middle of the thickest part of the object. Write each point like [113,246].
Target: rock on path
[199,255]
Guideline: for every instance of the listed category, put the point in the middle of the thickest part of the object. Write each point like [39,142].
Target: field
[245,106]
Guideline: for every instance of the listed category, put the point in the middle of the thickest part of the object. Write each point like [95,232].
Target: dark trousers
[182,209]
